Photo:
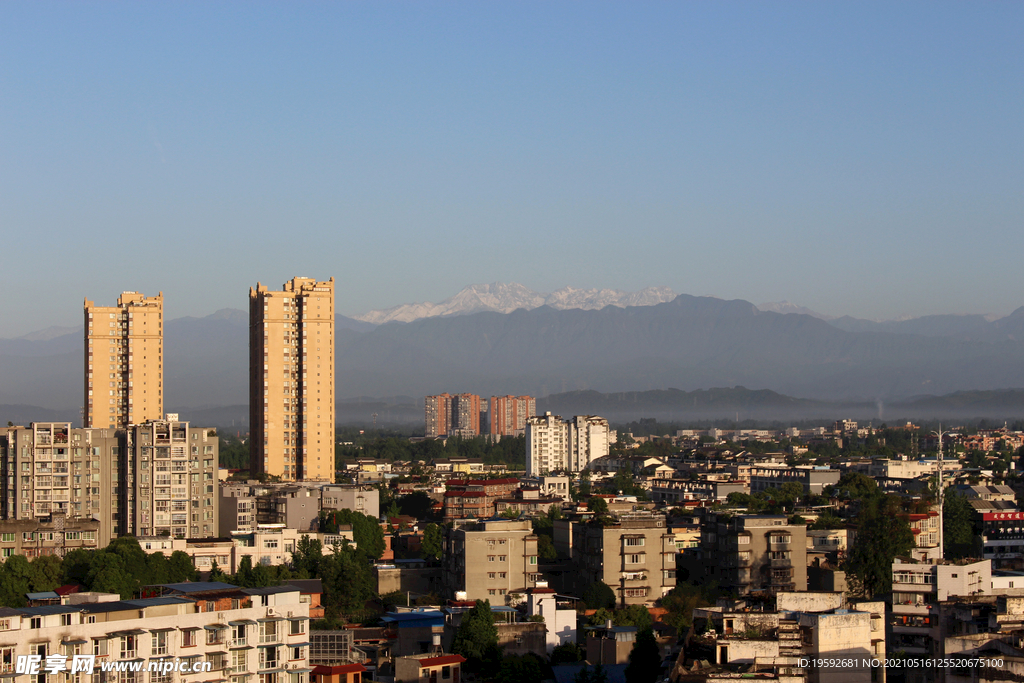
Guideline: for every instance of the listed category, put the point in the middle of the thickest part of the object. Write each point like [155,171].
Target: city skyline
[861,160]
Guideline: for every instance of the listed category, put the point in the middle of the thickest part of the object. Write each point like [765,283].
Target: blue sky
[857,158]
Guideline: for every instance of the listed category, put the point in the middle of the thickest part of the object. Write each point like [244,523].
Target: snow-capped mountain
[507,297]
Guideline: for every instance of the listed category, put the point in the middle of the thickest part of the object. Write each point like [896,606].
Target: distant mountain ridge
[690,343]
[503,297]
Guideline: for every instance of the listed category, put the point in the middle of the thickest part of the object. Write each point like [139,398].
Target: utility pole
[941,496]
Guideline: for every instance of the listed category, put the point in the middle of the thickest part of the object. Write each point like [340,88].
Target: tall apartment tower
[291,380]
[437,412]
[124,348]
[508,414]
[448,415]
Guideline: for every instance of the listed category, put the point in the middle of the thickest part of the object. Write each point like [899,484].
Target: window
[36,622]
[188,638]
[159,645]
[65,620]
[296,652]
[238,664]
[636,559]
[635,541]
[298,626]
[129,646]
[7,538]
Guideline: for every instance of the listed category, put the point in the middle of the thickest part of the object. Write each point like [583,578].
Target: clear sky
[855,158]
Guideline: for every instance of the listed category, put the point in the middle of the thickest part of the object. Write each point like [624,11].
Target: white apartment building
[238,631]
[554,444]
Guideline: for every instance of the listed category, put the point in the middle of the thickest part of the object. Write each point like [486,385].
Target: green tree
[108,574]
[882,534]
[307,557]
[416,504]
[644,659]
[46,573]
[217,574]
[366,531]
[827,520]
[180,568]
[520,669]
[15,581]
[243,577]
[597,505]
[588,674]
[957,526]
[633,615]
[348,583]
[567,653]
[433,541]
[546,548]
[477,638]
[599,595]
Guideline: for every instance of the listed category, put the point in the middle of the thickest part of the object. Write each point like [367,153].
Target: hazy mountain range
[690,343]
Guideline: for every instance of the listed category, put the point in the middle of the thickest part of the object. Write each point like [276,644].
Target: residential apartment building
[751,553]
[554,445]
[364,499]
[142,480]
[291,380]
[237,631]
[124,347]
[451,415]
[488,560]
[170,479]
[813,479]
[635,554]
[56,535]
[917,590]
[802,629]
[507,415]
[475,498]
[244,506]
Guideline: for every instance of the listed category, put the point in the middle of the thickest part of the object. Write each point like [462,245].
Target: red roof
[443,659]
[535,591]
[339,669]
[68,589]
[465,494]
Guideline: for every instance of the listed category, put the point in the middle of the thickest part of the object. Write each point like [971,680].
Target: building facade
[234,632]
[291,380]
[451,415]
[556,445]
[635,555]
[124,346]
[170,480]
[143,480]
[507,415]
[489,560]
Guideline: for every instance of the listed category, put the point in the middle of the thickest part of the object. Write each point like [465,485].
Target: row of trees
[122,567]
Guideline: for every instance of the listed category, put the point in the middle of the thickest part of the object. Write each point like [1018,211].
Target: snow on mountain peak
[507,297]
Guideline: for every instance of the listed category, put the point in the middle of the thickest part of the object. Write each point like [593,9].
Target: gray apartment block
[752,553]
